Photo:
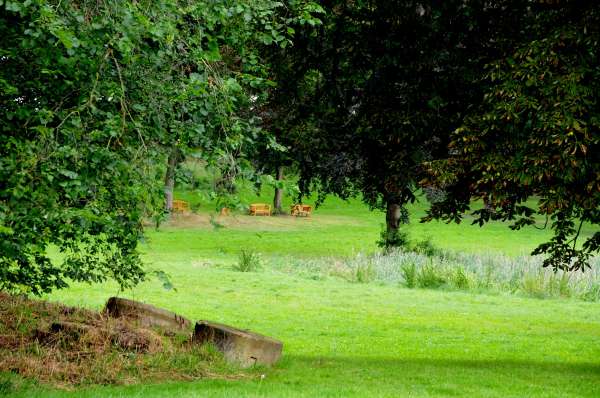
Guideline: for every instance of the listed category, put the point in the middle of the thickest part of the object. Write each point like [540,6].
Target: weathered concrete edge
[241,346]
[118,307]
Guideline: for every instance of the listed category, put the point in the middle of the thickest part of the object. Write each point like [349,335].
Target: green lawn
[348,339]
[341,228]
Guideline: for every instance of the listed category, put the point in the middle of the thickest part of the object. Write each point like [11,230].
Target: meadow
[350,336]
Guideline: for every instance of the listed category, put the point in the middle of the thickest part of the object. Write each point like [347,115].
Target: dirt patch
[246,222]
[66,347]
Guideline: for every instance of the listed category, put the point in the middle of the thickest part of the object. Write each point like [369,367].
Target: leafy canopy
[91,94]
[536,134]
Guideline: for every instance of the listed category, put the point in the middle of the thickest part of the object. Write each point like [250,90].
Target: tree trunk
[393,219]
[277,207]
[170,177]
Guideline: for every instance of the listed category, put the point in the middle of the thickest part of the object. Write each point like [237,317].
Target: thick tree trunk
[277,206]
[170,177]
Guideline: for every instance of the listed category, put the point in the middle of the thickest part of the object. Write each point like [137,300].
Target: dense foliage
[94,95]
[394,79]
[536,134]
[516,81]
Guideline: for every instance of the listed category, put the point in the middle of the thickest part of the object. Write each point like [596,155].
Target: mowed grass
[345,339]
[338,228]
[366,340]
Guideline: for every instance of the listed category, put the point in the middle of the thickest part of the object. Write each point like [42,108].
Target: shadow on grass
[365,363]
[374,376]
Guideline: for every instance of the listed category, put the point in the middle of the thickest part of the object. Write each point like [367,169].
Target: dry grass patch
[67,347]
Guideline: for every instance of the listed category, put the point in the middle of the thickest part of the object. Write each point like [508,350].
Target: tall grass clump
[460,278]
[409,274]
[426,247]
[364,272]
[431,276]
[456,271]
[248,261]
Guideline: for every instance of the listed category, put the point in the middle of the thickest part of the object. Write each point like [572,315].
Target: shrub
[392,239]
[248,261]
[426,247]
[183,175]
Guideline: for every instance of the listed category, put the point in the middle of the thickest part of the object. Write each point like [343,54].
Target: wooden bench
[300,210]
[180,206]
[260,209]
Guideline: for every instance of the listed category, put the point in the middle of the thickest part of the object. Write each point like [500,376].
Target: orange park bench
[301,210]
[180,206]
[260,209]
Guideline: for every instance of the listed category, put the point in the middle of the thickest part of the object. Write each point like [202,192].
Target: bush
[248,261]
[392,239]
[183,175]
[426,247]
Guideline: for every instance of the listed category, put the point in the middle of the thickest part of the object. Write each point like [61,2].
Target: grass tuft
[248,261]
[365,272]
[431,276]
[409,273]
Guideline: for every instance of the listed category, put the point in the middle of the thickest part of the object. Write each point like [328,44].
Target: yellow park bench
[300,210]
[180,206]
[260,209]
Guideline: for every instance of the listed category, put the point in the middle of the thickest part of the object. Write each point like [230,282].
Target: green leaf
[6,230]
[68,173]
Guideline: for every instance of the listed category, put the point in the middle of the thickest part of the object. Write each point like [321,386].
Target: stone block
[239,346]
[146,314]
